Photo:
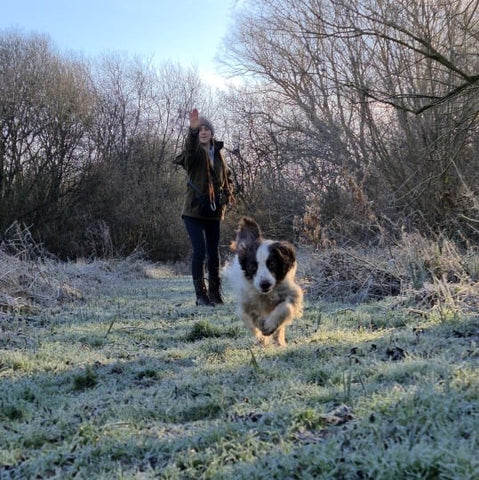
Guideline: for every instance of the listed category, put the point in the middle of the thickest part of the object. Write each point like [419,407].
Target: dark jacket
[194,159]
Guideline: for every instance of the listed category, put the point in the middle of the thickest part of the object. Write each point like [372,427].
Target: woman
[208,192]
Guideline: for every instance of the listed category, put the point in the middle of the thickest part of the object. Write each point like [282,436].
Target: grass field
[134,381]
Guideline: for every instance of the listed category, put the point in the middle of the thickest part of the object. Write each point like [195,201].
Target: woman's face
[205,135]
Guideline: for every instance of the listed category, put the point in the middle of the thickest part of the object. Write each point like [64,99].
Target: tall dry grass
[421,272]
[31,279]
[416,269]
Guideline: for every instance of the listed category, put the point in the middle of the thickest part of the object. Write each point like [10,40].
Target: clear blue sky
[185,31]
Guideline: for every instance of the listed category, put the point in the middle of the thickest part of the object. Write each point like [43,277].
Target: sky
[189,32]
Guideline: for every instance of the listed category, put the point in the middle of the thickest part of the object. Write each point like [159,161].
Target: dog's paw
[268,328]
[262,341]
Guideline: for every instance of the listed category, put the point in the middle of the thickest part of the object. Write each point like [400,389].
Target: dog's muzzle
[265,286]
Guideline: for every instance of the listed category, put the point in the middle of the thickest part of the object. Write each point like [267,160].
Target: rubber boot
[201,293]
[214,290]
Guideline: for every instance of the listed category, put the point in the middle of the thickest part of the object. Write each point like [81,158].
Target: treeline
[353,121]
[86,149]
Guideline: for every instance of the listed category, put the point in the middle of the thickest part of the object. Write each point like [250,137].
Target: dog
[262,277]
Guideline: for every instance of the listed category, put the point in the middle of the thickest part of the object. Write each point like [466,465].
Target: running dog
[262,276]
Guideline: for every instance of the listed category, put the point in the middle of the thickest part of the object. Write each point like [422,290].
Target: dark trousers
[205,240]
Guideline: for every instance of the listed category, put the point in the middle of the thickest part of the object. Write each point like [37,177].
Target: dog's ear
[283,257]
[247,234]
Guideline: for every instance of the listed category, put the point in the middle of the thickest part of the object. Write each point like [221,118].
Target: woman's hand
[194,119]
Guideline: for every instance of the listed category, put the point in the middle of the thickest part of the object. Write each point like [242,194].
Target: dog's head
[264,262]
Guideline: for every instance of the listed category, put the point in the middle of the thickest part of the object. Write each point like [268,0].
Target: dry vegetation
[418,271]
[421,273]
[31,280]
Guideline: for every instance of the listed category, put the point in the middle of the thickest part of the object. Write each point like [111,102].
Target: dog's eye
[251,268]
[271,264]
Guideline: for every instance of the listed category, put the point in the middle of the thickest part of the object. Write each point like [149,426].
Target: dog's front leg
[250,322]
[278,336]
[281,314]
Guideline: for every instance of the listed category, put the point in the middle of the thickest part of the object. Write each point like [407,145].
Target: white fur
[263,274]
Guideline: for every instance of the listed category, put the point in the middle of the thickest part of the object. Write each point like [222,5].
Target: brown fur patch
[248,233]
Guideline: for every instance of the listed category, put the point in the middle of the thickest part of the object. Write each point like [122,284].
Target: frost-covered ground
[124,377]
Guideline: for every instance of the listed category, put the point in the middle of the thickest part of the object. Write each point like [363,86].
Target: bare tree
[86,149]
[45,107]
[431,48]
[139,127]
[389,89]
